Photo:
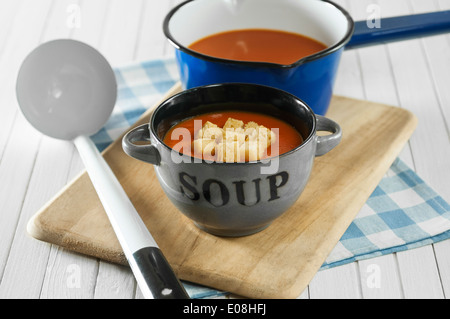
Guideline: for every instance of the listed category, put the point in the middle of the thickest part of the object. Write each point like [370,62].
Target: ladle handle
[152,271]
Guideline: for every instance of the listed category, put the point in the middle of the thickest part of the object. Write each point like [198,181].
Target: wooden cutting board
[278,262]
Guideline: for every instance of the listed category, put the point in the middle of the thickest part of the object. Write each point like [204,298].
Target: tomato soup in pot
[258,45]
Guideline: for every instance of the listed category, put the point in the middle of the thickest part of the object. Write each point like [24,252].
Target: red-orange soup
[287,137]
[258,45]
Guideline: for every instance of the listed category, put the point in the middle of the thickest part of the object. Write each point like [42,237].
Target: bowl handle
[146,152]
[328,142]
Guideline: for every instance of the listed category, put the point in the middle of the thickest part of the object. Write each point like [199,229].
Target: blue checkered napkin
[402,213]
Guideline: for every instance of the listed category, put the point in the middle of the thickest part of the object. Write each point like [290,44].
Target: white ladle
[67,90]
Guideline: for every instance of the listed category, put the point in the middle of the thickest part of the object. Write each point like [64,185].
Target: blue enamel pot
[311,78]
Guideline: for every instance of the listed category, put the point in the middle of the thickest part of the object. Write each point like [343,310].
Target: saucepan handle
[399,28]
[327,142]
[144,152]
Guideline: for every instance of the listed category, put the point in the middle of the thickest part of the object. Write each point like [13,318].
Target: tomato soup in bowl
[233,136]
[232,195]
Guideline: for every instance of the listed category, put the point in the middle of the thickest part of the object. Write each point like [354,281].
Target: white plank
[151,42]
[376,70]
[419,274]
[349,78]
[69,275]
[336,283]
[20,279]
[119,41]
[92,20]
[437,51]
[416,93]
[19,152]
[380,278]
[376,75]
[442,253]
[60,20]
[8,11]
[11,55]
[114,282]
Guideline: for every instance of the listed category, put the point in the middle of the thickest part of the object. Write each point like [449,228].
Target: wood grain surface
[278,262]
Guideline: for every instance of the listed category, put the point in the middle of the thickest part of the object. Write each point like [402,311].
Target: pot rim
[306,141]
[337,46]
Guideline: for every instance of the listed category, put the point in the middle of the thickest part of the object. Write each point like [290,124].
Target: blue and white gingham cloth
[402,213]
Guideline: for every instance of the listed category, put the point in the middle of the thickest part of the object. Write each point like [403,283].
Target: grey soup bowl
[241,198]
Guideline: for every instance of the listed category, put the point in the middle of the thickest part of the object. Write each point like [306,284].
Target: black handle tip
[158,275]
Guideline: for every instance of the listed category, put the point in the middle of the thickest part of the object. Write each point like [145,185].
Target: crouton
[233,124]
[204,147]
[235,142]
[229,152]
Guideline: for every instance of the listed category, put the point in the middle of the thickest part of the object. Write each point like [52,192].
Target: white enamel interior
[313,18]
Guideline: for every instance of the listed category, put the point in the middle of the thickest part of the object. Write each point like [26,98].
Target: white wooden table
[413,74]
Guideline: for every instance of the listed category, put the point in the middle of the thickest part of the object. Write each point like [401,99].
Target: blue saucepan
[310,78]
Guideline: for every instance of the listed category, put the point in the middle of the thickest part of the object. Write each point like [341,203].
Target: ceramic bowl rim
[307,140]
